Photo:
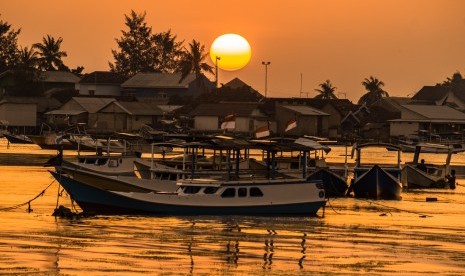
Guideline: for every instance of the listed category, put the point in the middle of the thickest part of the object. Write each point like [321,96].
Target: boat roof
[388,146]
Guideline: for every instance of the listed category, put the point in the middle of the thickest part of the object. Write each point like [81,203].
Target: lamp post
[216,70]
[266,63]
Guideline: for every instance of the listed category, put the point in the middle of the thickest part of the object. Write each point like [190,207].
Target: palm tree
[27,58]
[50,54]
[327,91]
[375,91]
[193,61]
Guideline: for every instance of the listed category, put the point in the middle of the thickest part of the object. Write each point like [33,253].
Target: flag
[291,124]
[262,132]
[229,122]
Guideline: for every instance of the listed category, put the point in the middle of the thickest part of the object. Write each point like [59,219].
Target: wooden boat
[50,140]
[375,181]
[435,175]
[204,197]
[17,139]
[335,185]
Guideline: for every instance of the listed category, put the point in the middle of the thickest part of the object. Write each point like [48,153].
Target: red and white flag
[262,132]
[291,124]
[229,122]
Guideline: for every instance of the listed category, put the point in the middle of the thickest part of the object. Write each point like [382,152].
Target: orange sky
[404,43]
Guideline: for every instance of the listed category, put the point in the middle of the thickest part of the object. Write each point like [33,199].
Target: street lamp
[266,63]
[216,70]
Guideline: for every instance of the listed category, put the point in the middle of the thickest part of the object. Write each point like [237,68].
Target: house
[336,108]
[127,116]
[248,117]
[439,120]
[100,83]
[77,110]
[25,112]
[441,95]
[31,83]
[160,87]
[310,121]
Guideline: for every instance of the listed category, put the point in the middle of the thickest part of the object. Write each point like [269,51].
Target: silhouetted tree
[8,46]
[135,47]
[193,62]
[27,58]
[50,54]
[456,83]
[167,51]
[375,91]
[327,91]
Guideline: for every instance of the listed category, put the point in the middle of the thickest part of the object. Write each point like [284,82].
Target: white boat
[271,197]
[432,176]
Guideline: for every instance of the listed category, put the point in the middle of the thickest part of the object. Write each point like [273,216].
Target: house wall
[18,114]
[206,123]
[108,121]
[100,89]
[306,125]
[451,98]
[403,128]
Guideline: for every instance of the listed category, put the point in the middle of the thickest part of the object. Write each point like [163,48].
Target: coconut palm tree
[27,58]
[375,91]
[327,91]
[193,61]
[50,54]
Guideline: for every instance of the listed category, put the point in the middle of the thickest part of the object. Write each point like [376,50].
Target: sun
[231,51]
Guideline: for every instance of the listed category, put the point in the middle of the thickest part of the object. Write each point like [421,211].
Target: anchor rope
[27,202]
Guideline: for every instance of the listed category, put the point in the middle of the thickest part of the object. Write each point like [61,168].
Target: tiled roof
[158,80]
[305,110]
[102,77]
[58,76]
[431,93]
[224,109]
[436,112]
[141,108]
[92,105]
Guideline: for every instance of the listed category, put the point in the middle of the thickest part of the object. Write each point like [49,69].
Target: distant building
[25,111]
[100,83]
[127,116]
[160,87]
[310,121]
[78,110]
[427,120]
[208,117]
[440,95]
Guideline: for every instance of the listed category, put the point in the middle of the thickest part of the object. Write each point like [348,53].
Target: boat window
[112,163]
[229,192]
[210,190]
[242,192]
[191,189]
[256,192]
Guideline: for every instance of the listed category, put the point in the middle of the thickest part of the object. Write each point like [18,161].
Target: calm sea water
[352,236]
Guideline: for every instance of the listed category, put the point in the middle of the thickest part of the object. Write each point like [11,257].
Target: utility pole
[266,63]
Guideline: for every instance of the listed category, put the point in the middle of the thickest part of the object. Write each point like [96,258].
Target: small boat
[431,176]
[335,185]
[51,140]
[204,197]
[375,181]
[17,139]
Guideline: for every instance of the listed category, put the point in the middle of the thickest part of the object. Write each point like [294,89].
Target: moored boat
[204,197]
[428,175]
[375,181]
[17,139]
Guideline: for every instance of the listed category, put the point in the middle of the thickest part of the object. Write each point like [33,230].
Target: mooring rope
[27,202]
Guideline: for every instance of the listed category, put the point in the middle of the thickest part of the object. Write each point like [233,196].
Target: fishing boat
[335,184]
[376,181]
[104,164]
[17,139]
[270,197]
[432,175]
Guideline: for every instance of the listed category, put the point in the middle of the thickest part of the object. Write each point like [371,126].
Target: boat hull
[15,139]
[376,183]
[97,201]
[412,178]
[334,184]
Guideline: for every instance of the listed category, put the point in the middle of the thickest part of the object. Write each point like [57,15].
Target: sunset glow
[233,51]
